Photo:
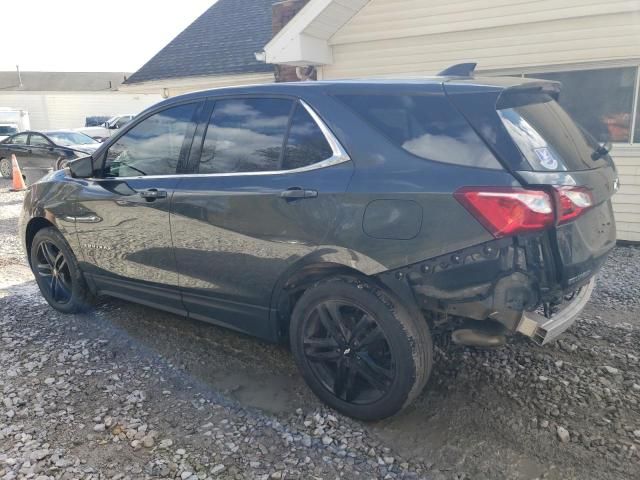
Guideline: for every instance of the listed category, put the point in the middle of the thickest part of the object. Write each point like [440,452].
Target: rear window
[425,125]
[545,134]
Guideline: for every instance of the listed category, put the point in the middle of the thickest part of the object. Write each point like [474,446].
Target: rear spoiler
[514,95]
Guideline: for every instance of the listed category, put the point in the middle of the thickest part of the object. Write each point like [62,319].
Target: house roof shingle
[222,41]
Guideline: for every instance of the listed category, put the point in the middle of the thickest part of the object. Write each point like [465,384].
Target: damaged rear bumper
[503,282]
[543,330]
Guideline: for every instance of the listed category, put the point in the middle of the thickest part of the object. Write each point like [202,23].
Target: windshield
[71,138]
[7,130]
[546,135]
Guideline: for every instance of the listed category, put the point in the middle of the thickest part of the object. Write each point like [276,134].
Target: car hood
[91,129]
[87,148]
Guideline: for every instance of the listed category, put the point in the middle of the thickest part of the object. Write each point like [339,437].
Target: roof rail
[459,70]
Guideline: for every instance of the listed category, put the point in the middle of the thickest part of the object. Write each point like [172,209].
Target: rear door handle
[153,193]
[295,193]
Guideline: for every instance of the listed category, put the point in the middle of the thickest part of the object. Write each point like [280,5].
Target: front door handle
[153,194]
[295,193]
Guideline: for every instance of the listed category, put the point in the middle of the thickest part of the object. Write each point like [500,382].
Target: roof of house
[222,41]
[61,81]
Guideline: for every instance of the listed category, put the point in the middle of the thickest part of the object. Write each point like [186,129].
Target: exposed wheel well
[298,282]
[35,225]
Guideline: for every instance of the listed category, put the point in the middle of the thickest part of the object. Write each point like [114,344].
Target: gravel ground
[127,392]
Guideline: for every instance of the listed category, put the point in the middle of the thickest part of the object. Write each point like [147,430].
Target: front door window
[154,146]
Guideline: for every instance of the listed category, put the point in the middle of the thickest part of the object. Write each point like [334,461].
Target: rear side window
[306,143]
[545,134]
[245,135]
[424,125]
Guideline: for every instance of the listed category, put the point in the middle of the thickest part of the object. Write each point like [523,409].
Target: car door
[253,208]
[122,218]
[42,152]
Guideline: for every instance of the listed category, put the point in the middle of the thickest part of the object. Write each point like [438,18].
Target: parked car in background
[96,120]
[15,116]
[47,149]
[8,129]
[351,219]
[108,128]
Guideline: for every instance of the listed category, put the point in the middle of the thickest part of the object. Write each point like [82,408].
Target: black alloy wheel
[348,352]
[53,269]
[57,272]
[359,348]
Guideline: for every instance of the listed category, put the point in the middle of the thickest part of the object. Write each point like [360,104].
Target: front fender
[50,201]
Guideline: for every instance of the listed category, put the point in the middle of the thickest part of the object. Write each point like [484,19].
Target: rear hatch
[539,143]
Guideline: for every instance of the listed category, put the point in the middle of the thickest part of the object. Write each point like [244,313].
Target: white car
[108,128]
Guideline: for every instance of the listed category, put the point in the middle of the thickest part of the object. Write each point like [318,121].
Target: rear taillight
[508,211]
[572,202]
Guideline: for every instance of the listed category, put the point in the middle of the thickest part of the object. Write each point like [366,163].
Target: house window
[600,100]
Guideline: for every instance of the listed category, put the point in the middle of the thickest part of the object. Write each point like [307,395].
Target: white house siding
[48,110]
[626,203]
[417,37]
[178,86]
[391,38]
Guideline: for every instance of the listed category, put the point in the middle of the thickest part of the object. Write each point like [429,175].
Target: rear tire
[359,349]
[6,169]
[57,273]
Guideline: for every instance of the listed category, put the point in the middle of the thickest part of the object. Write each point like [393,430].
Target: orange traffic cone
[16,174]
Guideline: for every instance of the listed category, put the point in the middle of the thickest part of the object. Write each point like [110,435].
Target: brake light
[508,211]
[572,202]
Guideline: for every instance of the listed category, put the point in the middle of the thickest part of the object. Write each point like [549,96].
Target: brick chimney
[282,12]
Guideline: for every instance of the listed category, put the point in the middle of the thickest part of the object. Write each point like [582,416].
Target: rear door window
[425,125]
[36,140]
[245,135]
[545,134]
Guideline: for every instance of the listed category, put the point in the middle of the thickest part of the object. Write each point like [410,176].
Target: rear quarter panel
[386,172]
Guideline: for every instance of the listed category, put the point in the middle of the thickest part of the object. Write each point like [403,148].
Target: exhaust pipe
[483,334]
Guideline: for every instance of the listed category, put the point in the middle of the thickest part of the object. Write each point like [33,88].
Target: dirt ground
[130,392]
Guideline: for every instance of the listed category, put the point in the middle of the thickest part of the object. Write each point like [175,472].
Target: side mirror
[113,126]
[81,167]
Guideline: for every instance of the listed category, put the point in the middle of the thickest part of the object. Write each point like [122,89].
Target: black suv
[351,218]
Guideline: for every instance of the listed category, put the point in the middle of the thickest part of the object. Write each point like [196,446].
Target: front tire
[61,163]
[57,273]
[6,169]
[359,349]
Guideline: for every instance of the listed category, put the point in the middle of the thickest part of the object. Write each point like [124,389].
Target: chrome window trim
[340,155]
